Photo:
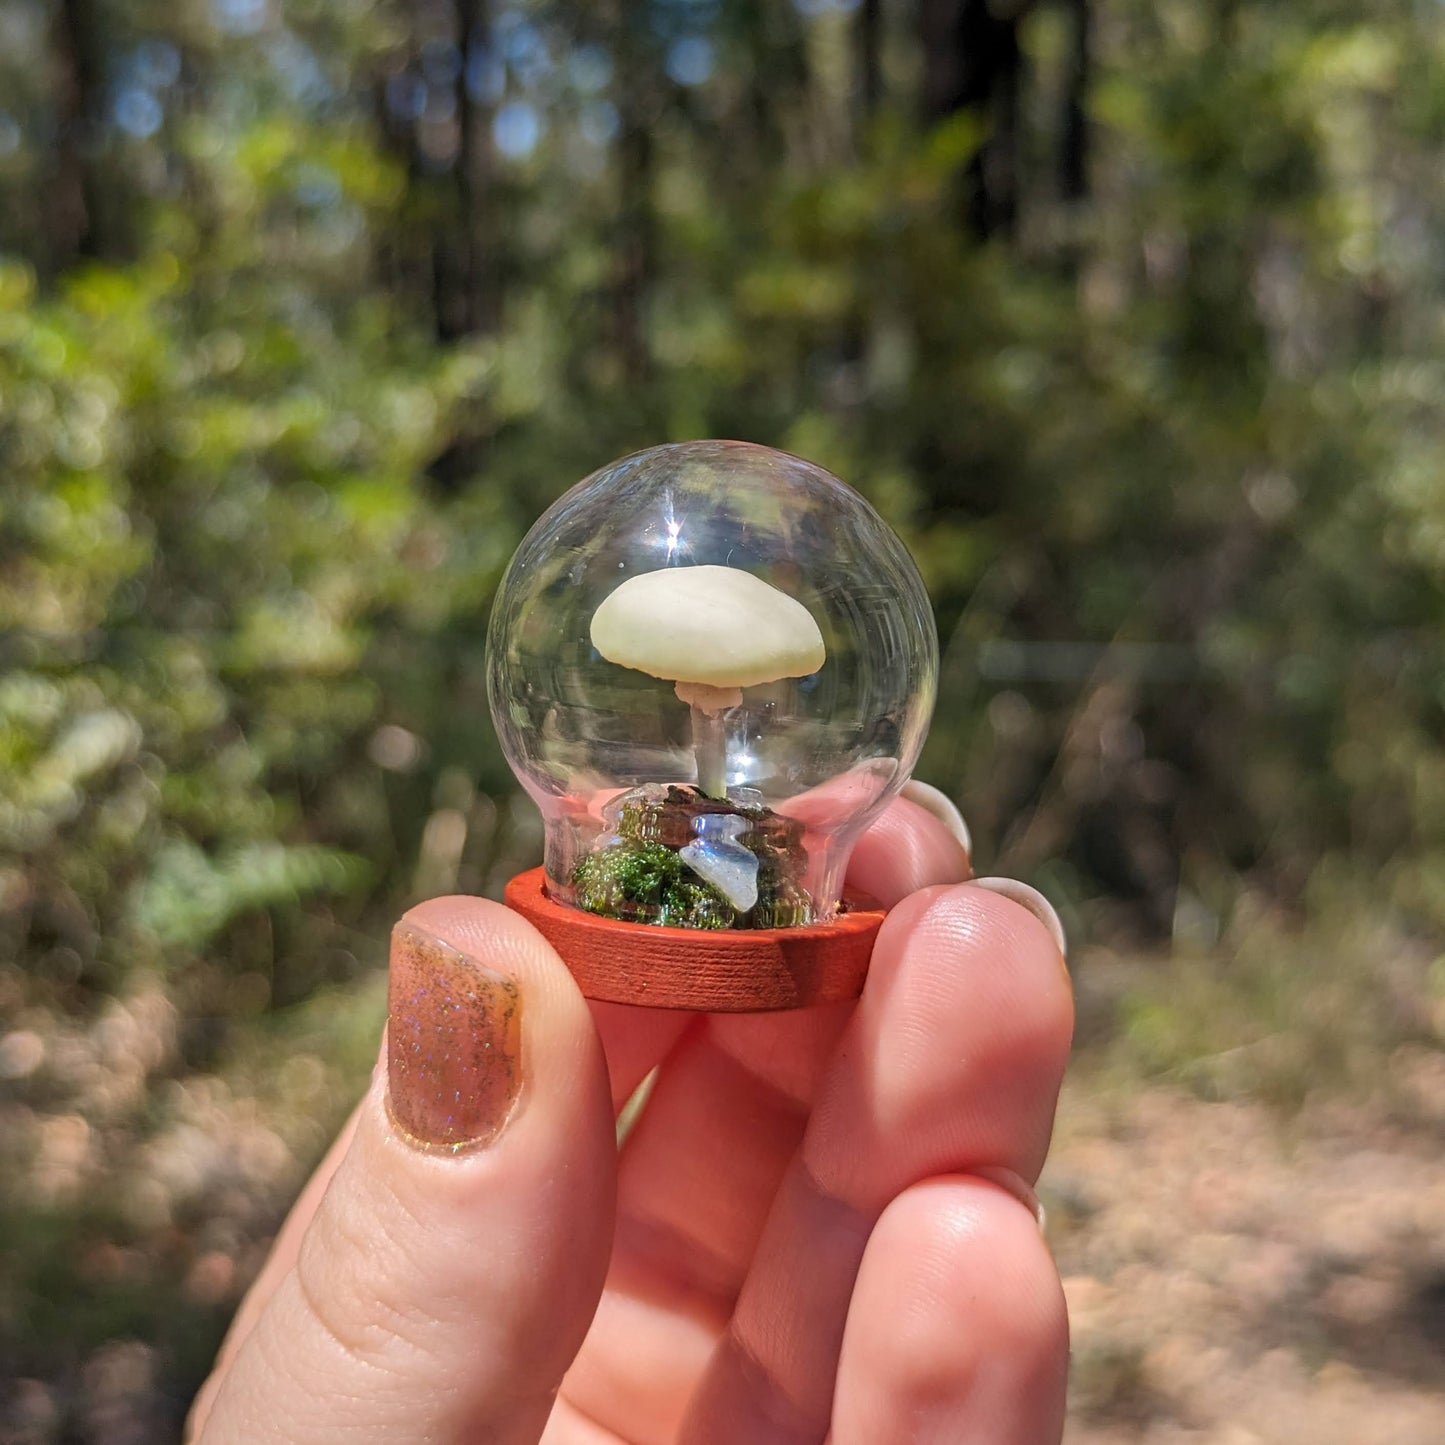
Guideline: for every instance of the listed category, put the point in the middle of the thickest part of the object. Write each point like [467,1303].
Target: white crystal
[718,858]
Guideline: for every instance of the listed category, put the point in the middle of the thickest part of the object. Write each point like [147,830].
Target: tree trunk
[477,305]
[972,62]
[636,245]
[75,209]
[868,38]
[405,250]
[1074,127]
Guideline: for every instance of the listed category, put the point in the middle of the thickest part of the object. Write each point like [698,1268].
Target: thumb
[456,1258]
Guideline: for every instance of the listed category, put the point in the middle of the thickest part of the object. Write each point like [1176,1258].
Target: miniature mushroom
[711,631]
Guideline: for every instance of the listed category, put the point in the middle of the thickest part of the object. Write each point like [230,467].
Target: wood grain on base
[735,970]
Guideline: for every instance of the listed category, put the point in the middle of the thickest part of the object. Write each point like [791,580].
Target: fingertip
[494,986]
[966,1246]
[974,947]
[1031,901]
[493,934]
[967,1020]
[936,801]
[958,1327]
[908,848]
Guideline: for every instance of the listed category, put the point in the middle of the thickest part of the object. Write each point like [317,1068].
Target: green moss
[781,902]
[649,883]
[640,877]
[692,903]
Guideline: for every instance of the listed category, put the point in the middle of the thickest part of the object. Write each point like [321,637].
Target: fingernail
[934,800]
[1021,1190]
[1031,899]
[453,1063]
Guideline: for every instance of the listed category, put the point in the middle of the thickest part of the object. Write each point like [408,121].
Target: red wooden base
[744,970]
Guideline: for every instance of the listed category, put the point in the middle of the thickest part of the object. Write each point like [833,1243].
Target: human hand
[820,1227]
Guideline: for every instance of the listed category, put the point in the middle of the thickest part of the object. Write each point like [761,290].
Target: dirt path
[1239,1279]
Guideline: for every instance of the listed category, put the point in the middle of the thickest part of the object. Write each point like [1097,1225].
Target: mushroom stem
[709,732]
[709,746]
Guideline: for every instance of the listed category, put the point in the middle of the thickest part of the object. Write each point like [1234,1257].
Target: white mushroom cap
[719,626]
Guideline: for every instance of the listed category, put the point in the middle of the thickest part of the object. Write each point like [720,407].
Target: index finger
[915,844]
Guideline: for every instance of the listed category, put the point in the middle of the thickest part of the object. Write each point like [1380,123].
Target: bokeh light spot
[516,130]
[690,60]
[137,112]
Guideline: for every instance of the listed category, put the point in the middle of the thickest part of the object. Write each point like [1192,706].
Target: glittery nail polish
[453,1044]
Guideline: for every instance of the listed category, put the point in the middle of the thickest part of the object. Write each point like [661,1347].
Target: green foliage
[188,897]
[285,375]
[1280,1012]
[208,527]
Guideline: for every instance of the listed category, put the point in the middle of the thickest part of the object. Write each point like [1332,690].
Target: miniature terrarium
[711,664]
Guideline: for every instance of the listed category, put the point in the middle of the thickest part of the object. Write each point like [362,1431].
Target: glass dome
[710,664]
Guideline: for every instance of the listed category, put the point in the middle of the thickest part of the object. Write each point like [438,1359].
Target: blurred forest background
[1128,313]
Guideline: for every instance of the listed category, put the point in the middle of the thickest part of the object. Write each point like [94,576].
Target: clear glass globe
[707,747]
